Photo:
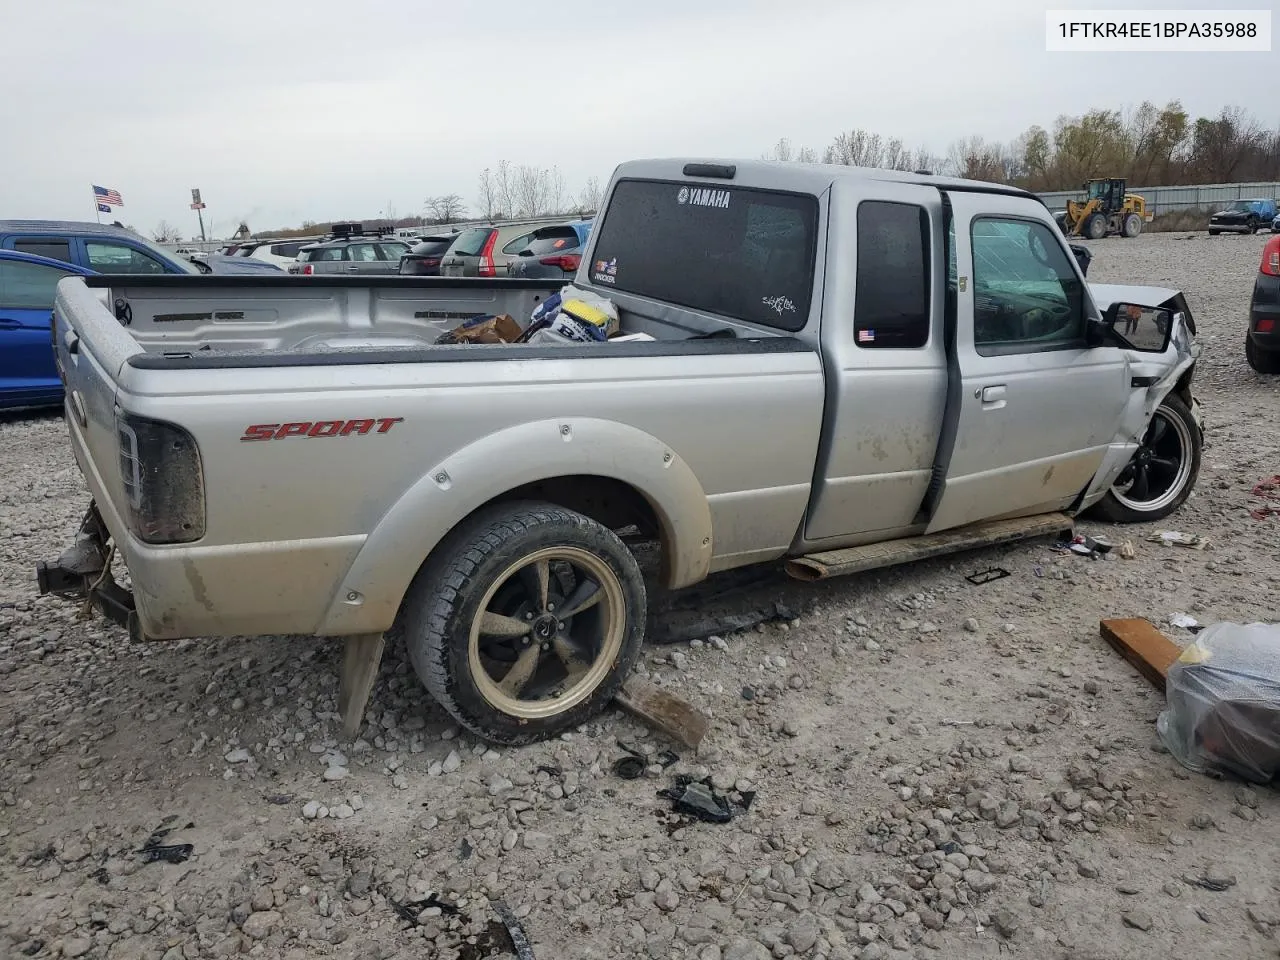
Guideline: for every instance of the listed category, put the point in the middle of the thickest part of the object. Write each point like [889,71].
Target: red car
[1262,343]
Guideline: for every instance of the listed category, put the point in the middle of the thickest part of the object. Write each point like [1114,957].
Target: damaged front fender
[1152,377]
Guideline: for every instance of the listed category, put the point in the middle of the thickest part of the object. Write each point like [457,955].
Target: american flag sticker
[866,336]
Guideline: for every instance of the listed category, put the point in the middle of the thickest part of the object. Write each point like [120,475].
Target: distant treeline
[1150,145]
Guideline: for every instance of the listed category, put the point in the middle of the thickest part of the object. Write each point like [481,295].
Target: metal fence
[1168,199]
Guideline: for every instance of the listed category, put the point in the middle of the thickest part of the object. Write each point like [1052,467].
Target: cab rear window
[734,251]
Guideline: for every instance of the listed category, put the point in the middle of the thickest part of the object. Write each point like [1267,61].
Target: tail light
[308,270]
[1271,258]
[487,268]
[163,480]
[567,262]
[418,264]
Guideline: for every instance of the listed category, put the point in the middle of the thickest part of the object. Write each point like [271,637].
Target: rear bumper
[1264,311]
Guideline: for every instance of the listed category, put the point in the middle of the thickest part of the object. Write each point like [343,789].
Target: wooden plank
[360,660]
[834,563]
[676,718]
[1139,642]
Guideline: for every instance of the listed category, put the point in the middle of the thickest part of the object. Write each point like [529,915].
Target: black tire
[1128,505]
[1253,226]
[1263,361]
[1095,228]
[1132,226]
[1214,233]
[443,607]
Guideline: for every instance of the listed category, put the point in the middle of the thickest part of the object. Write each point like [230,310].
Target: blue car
[107,248]
[28,377]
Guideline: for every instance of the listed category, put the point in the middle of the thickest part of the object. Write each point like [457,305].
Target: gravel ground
[1023,804]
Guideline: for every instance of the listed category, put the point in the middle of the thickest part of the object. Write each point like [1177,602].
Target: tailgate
[91,346]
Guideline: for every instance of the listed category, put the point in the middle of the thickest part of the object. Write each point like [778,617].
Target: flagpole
[97,212]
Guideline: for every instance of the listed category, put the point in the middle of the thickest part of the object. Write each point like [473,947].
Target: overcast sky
[285,110]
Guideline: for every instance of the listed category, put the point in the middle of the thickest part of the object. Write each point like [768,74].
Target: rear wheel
[1132,225]
[526,621]
[1163,471]
[1096,227]
[1214,233]
[1263,361]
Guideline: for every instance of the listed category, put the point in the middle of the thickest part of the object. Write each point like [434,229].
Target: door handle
[992,397]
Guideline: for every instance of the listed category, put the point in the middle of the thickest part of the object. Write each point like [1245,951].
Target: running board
[837,563]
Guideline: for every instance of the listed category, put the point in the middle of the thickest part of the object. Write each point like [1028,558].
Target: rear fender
[371,592]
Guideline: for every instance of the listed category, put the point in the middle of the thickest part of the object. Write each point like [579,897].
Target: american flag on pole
[109,197]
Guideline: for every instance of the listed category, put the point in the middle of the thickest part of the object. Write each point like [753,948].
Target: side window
[28,286]
[518,244]
[1026,296]
[362,252]
[892,295]
[118,258]
[53,247]
[393,251]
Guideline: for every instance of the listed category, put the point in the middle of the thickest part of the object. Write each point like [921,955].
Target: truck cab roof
[814,178]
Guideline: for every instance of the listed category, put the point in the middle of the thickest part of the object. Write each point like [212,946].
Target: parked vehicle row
[1245,216]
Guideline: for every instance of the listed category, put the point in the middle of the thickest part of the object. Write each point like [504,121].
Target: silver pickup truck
[848,368]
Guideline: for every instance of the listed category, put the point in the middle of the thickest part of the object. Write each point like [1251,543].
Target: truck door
[885,361]
[1031,407]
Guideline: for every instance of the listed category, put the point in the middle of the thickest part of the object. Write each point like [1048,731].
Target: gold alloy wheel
[549,631]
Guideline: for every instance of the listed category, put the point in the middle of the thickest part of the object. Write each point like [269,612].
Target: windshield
[552,240]
[469,243]
[431,247]
[1241,206]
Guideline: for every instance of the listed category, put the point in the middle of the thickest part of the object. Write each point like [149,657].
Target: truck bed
[719,434]
[263,321]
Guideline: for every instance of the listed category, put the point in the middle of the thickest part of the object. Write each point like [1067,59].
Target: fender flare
[370,594]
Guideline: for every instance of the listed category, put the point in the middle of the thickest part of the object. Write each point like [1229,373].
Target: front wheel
[1163,471]
[1095,227]
[526,621]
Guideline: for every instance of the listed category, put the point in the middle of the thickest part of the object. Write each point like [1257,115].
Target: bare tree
[860,148]
[166,232]
[446,208]
[589,197]
[555,191]
[1221,145]
[783,151]
[505,188]
[489,202]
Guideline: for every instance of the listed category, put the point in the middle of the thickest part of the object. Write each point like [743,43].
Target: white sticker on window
[779,304]
[702,197]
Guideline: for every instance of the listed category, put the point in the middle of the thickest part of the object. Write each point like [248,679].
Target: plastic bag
[1223,692]
[577,315]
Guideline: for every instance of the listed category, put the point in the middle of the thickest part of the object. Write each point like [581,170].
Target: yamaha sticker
[703,197]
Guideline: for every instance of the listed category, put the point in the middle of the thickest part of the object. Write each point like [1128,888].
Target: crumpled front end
[1153,376]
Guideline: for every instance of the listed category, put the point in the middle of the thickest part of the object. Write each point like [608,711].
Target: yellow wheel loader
[1105,211]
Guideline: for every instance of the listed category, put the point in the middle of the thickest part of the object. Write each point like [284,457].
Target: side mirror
[1146,329]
